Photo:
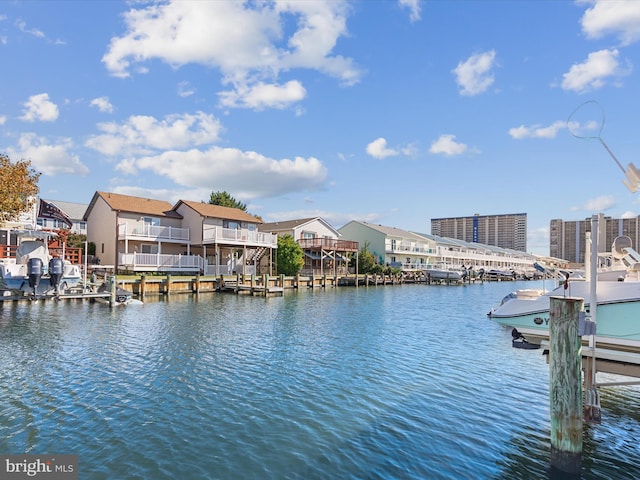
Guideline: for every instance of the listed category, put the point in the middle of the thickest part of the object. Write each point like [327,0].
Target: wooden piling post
[143,281]
[167,287]
[565,384]
[112,290]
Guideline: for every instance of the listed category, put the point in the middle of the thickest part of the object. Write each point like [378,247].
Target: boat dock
[259,285]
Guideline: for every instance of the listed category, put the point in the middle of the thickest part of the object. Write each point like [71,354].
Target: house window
[231,224]
[308,235]
[149,248]
[154,222]
[41,222]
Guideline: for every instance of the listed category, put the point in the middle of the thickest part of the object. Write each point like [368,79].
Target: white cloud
[185,89]
[207,33]
[261,95]
[3,119]
[145,134]
[474,75]
[598,204]
[446,145]
[103,104]
[620,18]
[22,26]
[49,158]
[538,240]
[39,107]
[594,71]
[378,149]
[414,8]
[247,174]
[628,214]
[537,131]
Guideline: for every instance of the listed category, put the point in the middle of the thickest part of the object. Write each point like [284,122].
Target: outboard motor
[56,269]
[34,270]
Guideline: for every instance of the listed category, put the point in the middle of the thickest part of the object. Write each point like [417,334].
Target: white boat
[34,270]
[442,273]
[618,303]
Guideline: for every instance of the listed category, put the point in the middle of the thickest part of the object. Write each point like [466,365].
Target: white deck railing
[238,236]
[160,262]
[141,230]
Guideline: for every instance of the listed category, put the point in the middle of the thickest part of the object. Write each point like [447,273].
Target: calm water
[395,382]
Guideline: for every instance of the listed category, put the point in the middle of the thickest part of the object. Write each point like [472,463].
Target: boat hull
[617,315]
[14,278]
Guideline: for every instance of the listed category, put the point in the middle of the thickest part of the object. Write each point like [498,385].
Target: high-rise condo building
[505,231]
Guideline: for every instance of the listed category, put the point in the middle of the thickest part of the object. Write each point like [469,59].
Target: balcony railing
[141,230]
[239,236]
[400,247]
[161,262]
[328,244]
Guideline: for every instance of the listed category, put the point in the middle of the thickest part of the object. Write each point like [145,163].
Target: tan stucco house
[146,235]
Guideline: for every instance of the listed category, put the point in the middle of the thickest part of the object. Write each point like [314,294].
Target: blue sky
[391,112]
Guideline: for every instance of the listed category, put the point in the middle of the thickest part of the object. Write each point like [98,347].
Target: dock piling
[565,384]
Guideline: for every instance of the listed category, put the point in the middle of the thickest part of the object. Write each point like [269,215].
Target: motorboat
[33,270]
[618,303]
[442,273]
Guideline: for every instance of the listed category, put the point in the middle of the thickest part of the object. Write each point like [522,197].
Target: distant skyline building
[567,238]
[505,230]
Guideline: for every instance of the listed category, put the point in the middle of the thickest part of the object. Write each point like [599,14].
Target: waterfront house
[227,238]
[413,251]
[146,235]
[393,246]
[139,234]
[324,250]
[75,212]
[479,255]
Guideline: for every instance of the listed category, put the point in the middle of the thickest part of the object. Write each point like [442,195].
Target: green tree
[18,187]
[366,260]
[290,257]
[224,199]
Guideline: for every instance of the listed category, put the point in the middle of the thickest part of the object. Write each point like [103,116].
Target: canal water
[393,382]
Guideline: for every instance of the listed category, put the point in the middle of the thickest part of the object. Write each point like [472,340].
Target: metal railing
[160,262]
[238,236]
[328,244]
[152,232]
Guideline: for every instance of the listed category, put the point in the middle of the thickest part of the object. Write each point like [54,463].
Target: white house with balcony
[139,235]
[227,238]
[392,246]
[145,235]
[414,251]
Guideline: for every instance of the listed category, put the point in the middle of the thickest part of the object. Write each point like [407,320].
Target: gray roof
[285,225]
[394,232]
[75,211]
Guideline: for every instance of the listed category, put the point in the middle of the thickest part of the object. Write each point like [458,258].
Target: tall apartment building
[567,238]
[505,231]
